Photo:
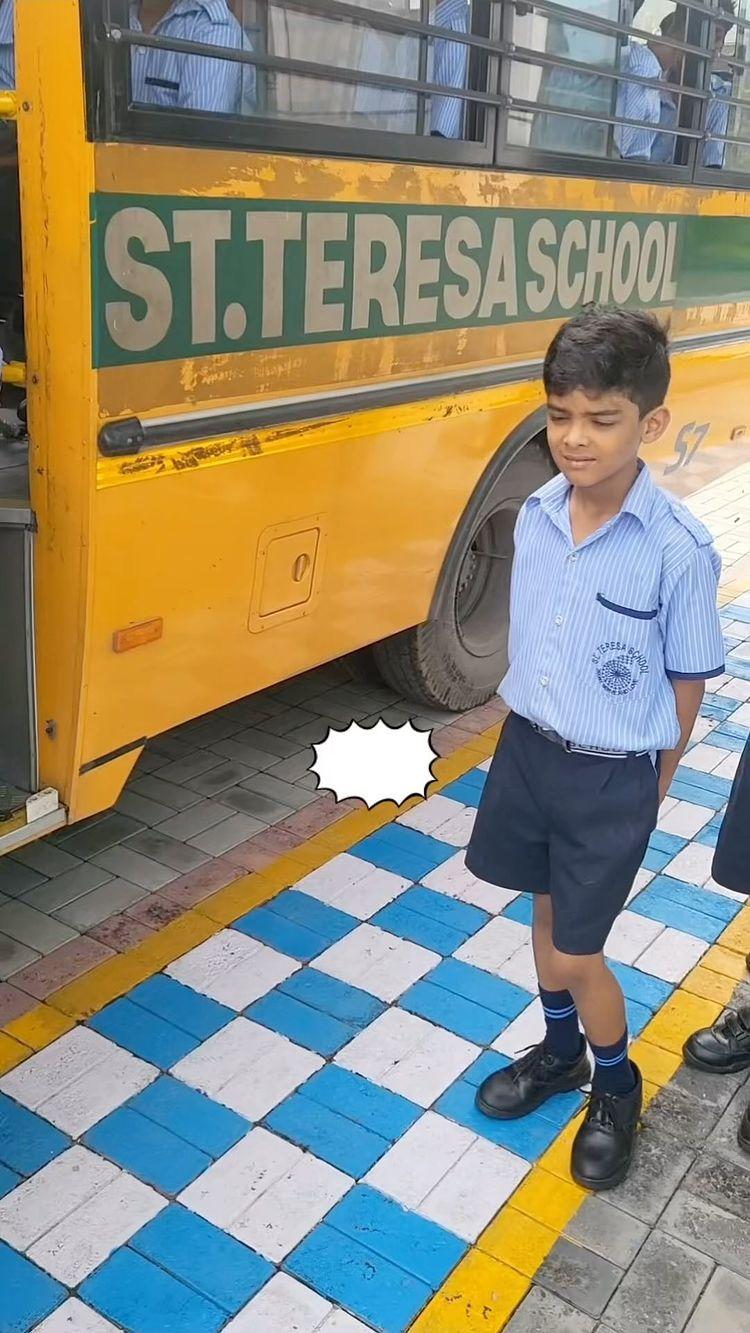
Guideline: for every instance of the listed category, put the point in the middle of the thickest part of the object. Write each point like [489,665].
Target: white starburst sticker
[375,764]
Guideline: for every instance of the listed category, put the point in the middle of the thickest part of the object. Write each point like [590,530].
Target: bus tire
[456,659]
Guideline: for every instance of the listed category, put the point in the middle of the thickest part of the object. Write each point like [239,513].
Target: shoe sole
[706,1067]
[572,1085]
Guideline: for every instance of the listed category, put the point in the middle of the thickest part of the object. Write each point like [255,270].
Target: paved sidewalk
[261,1117]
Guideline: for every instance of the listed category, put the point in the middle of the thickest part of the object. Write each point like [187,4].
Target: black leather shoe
[530,1081]
[603,1146]
[724,1048]
[743,1138]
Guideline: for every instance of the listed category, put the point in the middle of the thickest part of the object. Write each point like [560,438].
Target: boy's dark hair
[600,350]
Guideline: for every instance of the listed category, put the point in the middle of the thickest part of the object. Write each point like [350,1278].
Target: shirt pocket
[628,654]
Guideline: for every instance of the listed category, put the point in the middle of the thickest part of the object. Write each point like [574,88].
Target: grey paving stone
[214,729]
[260,807]
[168,793]
[658,1168]
[312,733]
[723,1140]
[34,929]
[16,879]
[228,774]
[249,755]
[289,722]
[687,1118]
[267,741]
[724,1305]
[309,781]
[143,809]
[741,997]
[659,1292]
[333,709]
[168,851]
[171,748]
[726,1184]
[715,1232]
[191,766]
[190,823]
[543,1312]
[64,889]
[579,1276]
[112,897]
[128,864]
[708,1088]
[46,859]
[291,770]
[148,761]
[228,834]
[288,793]
[14,956]
[107,832]
[607,1231]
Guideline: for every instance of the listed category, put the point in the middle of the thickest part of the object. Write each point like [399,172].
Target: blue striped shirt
[637,102]
[450,68]
[717,119]
[194,83]
[598,629]
[7,60]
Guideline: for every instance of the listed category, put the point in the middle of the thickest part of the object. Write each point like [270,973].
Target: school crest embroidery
[619,667]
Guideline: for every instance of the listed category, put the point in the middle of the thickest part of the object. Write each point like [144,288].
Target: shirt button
[558,620]
[544,680]
[573,557]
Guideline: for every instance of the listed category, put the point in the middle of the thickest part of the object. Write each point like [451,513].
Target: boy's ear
[654,424]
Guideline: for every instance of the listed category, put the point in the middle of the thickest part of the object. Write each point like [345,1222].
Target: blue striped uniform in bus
[717,118]
[598,629]
[450,68]
[7,61]
[193,82]
[635,101]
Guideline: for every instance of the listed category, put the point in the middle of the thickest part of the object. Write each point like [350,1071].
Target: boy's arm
[688,697]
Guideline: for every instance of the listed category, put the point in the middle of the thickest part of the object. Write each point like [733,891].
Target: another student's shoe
[530,1081]
[743,1138]
[723,1048]
[603,1147]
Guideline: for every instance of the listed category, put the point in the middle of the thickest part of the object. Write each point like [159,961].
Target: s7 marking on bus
[687,444]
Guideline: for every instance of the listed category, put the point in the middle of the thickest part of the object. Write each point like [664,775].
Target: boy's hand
[688,698]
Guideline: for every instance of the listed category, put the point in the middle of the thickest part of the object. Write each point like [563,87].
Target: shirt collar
[639,501]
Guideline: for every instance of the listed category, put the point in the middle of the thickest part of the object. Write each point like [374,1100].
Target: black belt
[572,748]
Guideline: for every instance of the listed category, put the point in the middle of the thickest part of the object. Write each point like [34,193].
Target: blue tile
[731,642]
[387,857]
[560,1109]
[638,1015]
[368,1286]
[302,910]
[667,842]
[521,910]
[148,1151]
[681,918]
[8,1181]
[639,986]
[184,1008]
[737,666]
[419,929]
[527,1138]
[717,706]
[143,1033]
[282,935]
[476,777]
[736,612]
[453,1012]
[303,1025]
[697,899]
[704,781]
[708,836]
[414,843]
[683,791]
[655,861]
[488,1063]
[386,1113]
[502,997]
[28,1294]
[132,1292]
[463,791]
[733,729]
[724,740]
[27,1142]
[203,1257]
[333,997]
[422,1248]
[212,1128]
[448,911]
[328,1134]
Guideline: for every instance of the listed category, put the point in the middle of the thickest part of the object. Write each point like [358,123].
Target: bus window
[172,79]
[727,80]
[7,62]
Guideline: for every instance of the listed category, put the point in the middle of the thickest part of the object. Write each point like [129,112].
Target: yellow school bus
[289,271]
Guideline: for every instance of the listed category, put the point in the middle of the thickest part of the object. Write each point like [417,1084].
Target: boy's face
[593,439]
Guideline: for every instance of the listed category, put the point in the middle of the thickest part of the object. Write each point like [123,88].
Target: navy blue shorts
[574,826]
[732,857]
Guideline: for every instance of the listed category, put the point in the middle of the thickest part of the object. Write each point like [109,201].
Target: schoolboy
[614,630]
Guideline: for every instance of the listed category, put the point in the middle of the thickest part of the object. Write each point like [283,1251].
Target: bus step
[24,817]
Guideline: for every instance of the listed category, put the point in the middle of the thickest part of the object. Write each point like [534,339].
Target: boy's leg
[563,1037]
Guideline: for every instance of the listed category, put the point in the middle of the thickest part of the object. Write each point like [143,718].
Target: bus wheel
[458,657]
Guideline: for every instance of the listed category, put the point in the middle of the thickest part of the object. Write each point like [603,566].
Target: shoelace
[528,1059]
[599,1109]
[736,1023]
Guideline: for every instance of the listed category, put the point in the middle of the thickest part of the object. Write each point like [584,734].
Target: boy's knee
[577,969]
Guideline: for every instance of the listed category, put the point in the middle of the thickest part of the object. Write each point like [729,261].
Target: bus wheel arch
[457,657]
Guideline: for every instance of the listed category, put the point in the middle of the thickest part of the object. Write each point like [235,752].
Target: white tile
[431,814]
[705,758]
[454,879]
[692,864]
[75,1317]
[409,1056]
[741,715]
[289,1209]
[90,1233]
[485,765]
[728,767]
[229,1188]
[354,885]
[520,969]
[686,819]
[341,1322]
[630,935]
[667,804]
[736,689]
[42,1201]
[233,969]
[702,727]
[494,943]
[420,1159]
[673,955]
[472,1192]
[726,893]
[526,1030]
[247,1068]
[457,831]
[78,1080]
[377,962]
[283,1306]
[642,880]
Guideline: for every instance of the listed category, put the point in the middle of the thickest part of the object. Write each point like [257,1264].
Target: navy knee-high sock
[613,1071]
[563,1031]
